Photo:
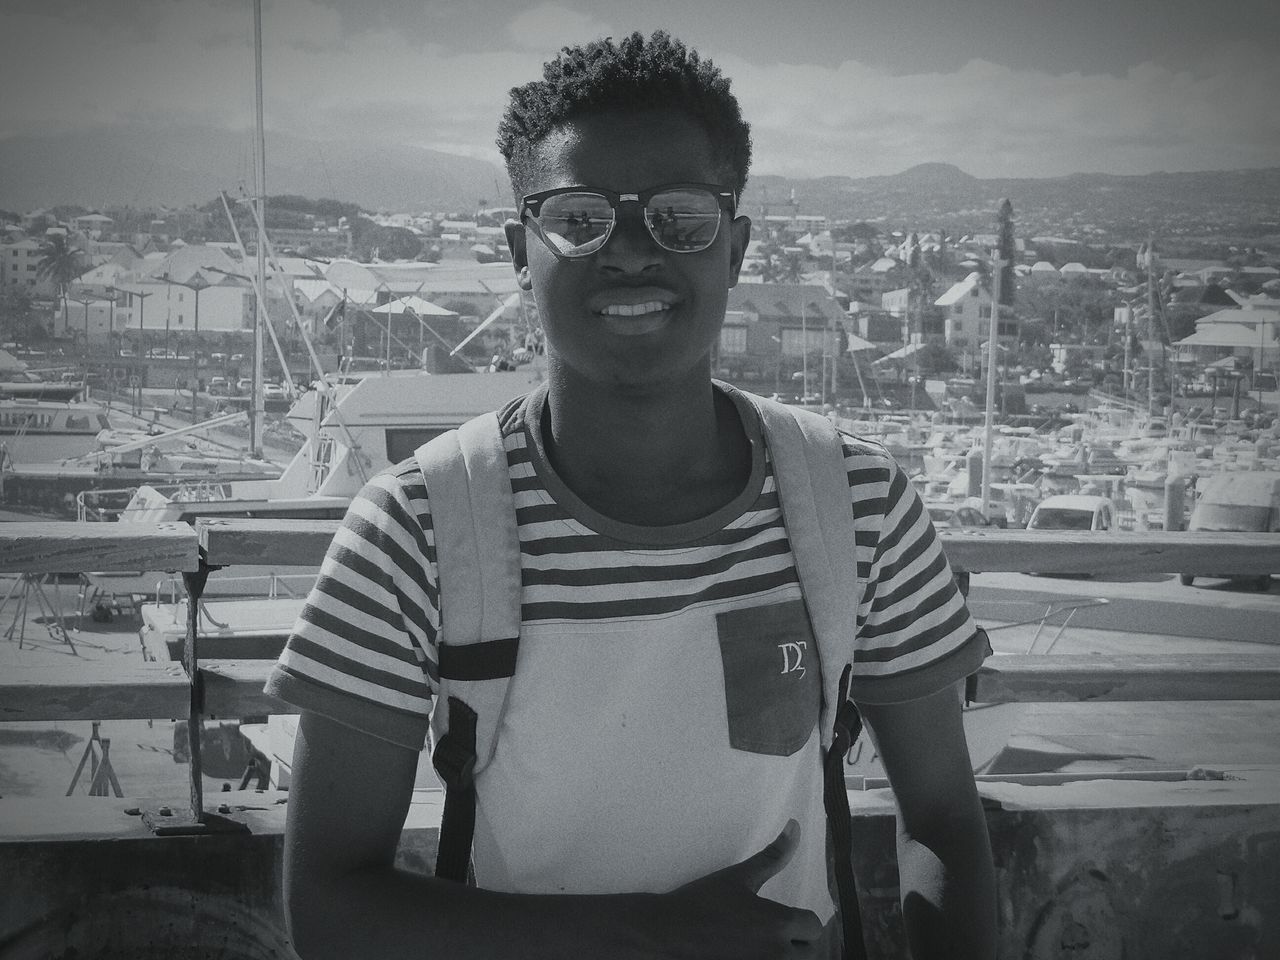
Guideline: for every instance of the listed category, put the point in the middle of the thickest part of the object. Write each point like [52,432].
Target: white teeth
[633,309]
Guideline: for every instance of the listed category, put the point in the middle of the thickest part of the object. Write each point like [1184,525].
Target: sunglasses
[577,221]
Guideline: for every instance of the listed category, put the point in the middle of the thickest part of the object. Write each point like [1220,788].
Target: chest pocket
[772,685]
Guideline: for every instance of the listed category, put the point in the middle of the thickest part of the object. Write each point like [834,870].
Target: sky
[1023,88]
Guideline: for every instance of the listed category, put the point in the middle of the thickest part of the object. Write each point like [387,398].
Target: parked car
[1073,512]
[1243,502]
[219,387]
[945,514]
[272,391]
[244,385]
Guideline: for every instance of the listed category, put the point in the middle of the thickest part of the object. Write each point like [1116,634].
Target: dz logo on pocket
[793,657]
[771,684]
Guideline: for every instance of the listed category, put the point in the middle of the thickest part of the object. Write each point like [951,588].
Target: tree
[60,262]
[18,320]
[1006,250]
[792,268]
[933,358]
[919,283]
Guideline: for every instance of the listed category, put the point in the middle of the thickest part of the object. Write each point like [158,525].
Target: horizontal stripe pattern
[370,627]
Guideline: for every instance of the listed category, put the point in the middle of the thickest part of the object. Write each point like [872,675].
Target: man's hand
[722,915]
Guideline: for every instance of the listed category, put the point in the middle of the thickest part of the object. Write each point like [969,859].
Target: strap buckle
[454,756]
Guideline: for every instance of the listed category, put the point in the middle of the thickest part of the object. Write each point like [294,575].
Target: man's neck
[653,457]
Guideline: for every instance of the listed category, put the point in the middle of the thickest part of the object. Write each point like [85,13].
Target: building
[966,308]
[871,280]
[770,329]
[1250,333]
[320,242]
[20,268]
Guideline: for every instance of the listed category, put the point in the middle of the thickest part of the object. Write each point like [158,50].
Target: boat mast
[256,407]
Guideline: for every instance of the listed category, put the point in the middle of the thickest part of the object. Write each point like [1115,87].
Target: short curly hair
[635,74]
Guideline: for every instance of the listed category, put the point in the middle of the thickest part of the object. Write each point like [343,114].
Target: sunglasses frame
[531,208]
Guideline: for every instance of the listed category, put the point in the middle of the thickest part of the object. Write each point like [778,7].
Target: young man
[656,792]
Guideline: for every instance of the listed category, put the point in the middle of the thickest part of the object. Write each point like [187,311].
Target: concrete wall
[1100,870]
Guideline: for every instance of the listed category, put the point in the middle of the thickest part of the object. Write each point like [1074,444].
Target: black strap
[454,758]
[848,725]
[486,660]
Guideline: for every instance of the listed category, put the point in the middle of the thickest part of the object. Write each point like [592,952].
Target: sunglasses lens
[683,219]
[576,224]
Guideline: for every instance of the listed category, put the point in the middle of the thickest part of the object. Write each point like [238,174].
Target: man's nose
[630,248]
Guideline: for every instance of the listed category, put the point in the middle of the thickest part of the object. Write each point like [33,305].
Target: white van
[1073,512]
[1244,502]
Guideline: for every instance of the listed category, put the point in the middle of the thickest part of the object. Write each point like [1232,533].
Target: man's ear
[515,232]
[739,238]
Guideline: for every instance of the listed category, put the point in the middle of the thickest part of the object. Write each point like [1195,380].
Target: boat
[175,456]
[29,417]
[355,425]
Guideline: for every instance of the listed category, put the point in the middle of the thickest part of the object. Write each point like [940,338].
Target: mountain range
[176,166]
[142,165]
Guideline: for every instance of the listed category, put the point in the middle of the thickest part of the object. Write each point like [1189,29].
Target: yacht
[23,417]
[355,425]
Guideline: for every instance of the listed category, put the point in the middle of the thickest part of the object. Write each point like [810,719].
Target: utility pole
[1151,326]
[1127,379]
[1003,259]
[989,424]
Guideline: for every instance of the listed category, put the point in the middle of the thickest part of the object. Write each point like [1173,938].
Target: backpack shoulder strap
[813,489]
[478,558]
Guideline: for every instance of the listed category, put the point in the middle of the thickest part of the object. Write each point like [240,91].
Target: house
[1042,271]
[771,327]
[966,310]
[871,280]
[1249,333]
[92,225]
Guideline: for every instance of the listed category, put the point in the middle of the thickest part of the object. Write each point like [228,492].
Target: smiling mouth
[634,309]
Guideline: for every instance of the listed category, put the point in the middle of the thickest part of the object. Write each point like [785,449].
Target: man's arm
[944,855]
[348,797]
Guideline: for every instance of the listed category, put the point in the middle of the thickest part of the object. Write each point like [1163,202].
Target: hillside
[1241,203]
[141,165]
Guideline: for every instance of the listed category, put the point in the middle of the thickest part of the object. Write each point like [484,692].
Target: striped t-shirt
[640,696]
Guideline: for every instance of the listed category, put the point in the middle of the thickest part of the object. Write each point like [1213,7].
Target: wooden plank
[1054,779]
[135,691]
[1085,677]
[1197,552]
[71,547]
[75,547]
[233,689]
[94,691]
[301,542]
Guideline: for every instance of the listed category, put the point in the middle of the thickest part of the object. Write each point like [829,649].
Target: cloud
[995,121]
[548,27]
[81,64]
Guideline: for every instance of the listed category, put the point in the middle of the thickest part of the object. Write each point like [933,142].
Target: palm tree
[920,285]
[60,263]
[1007,251]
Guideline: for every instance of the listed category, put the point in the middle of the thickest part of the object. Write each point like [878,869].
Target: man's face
[632,314]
